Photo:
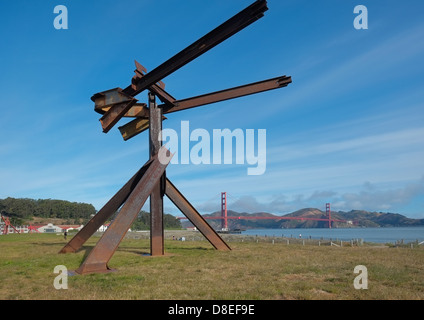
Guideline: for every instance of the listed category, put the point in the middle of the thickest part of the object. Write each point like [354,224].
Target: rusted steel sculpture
[151,179]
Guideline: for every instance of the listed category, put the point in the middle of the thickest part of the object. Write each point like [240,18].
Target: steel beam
[157,89]
[104,213]
[133,128]
[141,124]
[156,196]
[238,22]
[207,42]
[116,102]
[137,110]
[109,98]
[114,114]
[99,256]
[195,218]
[227,94]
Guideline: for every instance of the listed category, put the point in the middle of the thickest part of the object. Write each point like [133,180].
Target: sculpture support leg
[195,218]
[104,213]
[100,255]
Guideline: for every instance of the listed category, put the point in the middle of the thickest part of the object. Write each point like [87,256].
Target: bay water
[378,235]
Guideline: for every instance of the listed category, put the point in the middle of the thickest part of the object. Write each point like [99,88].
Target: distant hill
[25,211]
[353,218]
[379,219]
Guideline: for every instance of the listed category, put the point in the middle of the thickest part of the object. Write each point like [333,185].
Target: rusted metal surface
[152,80]
[195,218]
[114,114]
[156,196]
[151,180]
[99,256]
[155,120]
[157,89]
[109,98]
[227,94]
[137,110]
[104,213]
[139,125]
[133,128]
[116,102]
[157,246]
[238,22]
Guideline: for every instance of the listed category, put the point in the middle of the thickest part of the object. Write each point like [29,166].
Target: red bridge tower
[328,214]
[224,220]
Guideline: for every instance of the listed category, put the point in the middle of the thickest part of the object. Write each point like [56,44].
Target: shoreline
[194,235]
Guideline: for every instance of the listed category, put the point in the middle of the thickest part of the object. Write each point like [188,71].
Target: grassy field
[194,270]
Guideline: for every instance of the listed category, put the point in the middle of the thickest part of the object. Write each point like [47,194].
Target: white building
[50,228]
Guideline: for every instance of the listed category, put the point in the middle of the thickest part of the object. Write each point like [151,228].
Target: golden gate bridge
[224,217]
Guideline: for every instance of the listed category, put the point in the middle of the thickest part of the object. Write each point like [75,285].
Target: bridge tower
[224,220]
[328,214]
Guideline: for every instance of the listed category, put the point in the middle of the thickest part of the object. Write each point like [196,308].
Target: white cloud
[371,197]
[374,198]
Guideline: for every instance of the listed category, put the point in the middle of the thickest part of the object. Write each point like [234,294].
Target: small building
[50,228]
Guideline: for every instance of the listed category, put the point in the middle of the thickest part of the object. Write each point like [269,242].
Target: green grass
[194,270]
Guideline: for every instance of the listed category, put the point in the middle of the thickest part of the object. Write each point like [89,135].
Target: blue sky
[349,130]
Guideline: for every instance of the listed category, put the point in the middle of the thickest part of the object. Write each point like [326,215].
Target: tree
[23,210]
[143,222]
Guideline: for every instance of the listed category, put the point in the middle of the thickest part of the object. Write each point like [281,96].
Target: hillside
[356,218]
[26,211]
[42,211]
